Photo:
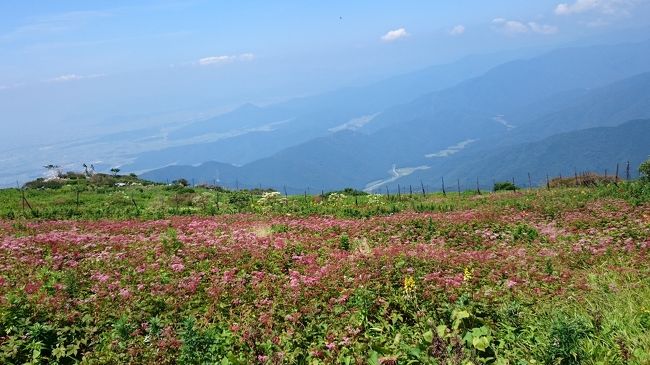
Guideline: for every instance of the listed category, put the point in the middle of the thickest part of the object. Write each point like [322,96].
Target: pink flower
[191,283]
[102,278]
[125,293]
[229,276]
[32,288]
[294,279]
[178,267]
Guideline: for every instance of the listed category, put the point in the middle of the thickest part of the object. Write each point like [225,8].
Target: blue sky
[67,65]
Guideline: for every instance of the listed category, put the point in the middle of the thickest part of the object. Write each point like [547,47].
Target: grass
[157,201]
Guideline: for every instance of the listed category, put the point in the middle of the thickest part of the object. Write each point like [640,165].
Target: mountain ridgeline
[585,108]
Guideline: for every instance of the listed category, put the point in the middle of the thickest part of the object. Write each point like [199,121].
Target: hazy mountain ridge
[477,109]
[302,119]
[596,149]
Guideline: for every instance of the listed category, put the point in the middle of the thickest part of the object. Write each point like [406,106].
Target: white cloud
[514,27]
[215,59]
[394,35]
[609,7]
[73,77]
[457,30]
[543,28]
[510,27]
[219,60]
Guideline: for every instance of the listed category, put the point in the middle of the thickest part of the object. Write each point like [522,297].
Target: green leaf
[398,338]
[59,352]
[373,359]
[441,330]
[481,343]
[36,353]
[428,336]
[73,350]
[457,317]
[415,352]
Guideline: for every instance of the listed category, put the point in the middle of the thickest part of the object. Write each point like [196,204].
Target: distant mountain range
[250,132]
[546,113]
[597,149]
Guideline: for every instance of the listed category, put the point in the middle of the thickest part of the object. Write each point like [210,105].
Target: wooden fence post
[137,209]
[444,192]
[424,193]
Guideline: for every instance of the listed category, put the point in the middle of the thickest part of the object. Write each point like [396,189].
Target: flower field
[530,281]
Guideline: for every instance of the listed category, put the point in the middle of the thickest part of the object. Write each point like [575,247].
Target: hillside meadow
[160,274]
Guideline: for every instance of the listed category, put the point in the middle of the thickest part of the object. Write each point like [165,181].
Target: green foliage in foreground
[556,276]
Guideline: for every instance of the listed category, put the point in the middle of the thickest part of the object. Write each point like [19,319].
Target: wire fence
[528,180]
[395,191]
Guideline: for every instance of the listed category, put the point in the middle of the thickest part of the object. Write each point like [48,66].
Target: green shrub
[566,335]
[349,192]
[504,186]
[212,345]
[344,243]
[181,182]
[240,199]
[644,170]
[525,233]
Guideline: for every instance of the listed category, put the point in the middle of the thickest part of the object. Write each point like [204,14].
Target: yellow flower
[468,274]
[409,284]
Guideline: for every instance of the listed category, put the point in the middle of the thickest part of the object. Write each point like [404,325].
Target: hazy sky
[69,67]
